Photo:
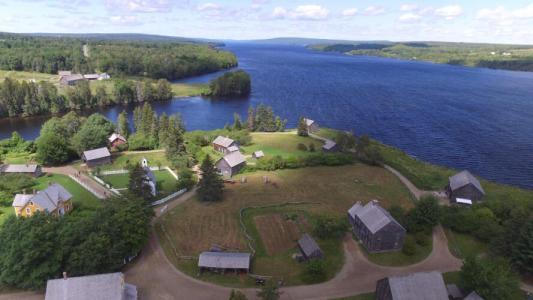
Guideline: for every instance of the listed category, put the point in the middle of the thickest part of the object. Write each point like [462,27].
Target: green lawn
[122,159]
[166,183]
[82,199]
[19,75]
[189,89]
[463,245]
[369,296]
[398,258]
[19,157]
[283,144]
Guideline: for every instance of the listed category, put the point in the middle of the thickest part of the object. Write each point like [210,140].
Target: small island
[236,83]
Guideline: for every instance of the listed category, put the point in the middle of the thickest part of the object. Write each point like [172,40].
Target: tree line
[23,98]
[156,60]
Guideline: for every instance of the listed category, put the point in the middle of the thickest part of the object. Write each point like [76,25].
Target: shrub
[421,239]
[409,247]
[302,147]
[311,147]
[186,179]
[315,271]
[330,227]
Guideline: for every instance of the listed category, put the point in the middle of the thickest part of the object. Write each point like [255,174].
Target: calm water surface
[465,118]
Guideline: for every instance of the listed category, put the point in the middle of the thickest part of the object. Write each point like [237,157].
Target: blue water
[465,118]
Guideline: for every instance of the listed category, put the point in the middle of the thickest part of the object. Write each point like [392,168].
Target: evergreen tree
[250,122]
[123,124]
[211,186]
[302,127]
[174,145]
[492,279]
[163,130]
[101,98]
[164,90]
[237,125]
[138,183]
[522,249]
[137,118]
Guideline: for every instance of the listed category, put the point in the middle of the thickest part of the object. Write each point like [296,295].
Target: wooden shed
[464,185]
[424,285]
[309,247]
[96,157]
[224,261]
[230,164]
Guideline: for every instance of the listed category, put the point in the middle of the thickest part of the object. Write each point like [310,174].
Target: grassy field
[19,157]
[369,296]
[463,245]
[82,199]
[122,159]
[189,89]
[20,75]
[166,183]
[194,226]
[398,258]
[284,144]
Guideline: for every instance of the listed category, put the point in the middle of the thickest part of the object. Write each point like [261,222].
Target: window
[28,211]
[31,203]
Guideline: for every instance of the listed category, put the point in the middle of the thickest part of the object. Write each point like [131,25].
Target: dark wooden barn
[230,164]
[376,228]
[96,157]
[464,185]
[426,286]
[309,247]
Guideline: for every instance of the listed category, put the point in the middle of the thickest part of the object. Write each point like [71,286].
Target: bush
[312,147]
[421,239]
[302,147]
[326,227]
[186,179]
[315,271]
[409,246]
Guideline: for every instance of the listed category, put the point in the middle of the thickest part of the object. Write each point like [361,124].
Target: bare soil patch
[278,233]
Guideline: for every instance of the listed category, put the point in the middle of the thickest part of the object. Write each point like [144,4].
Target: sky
[491,21]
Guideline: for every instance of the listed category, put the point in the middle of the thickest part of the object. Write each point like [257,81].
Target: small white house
[144,163]
[104,76]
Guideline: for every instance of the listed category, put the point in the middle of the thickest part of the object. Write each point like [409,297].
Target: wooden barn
[376,228]
[424,285]
[230,164]
[224,261]
[116,140]
[309,247]
[222,144]
[464,185]
[96,157]
[312,126]
[32,170]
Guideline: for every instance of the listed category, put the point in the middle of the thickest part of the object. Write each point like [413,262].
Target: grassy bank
[399,258]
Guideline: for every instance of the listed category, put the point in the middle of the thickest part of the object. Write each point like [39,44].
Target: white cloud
[142,6]
[349,12]
[125,20]
[408,7]
[504,16]
[374,10]
[449,12]
[302,12]
[208,7]
[409,18]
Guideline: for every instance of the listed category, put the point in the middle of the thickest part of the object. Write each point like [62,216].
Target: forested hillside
[494,56]
[169,60]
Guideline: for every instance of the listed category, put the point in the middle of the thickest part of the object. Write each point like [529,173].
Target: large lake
[465,118]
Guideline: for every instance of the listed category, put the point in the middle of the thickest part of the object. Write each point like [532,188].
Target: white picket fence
[169,197]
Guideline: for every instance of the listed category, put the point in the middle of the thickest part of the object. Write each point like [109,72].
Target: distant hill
[121,37]
[310,41]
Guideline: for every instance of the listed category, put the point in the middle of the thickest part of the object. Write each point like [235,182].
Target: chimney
[65,275]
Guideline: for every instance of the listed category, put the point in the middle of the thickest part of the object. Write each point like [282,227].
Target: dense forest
[23,98]
[170,60]
[494,56]
[236,83]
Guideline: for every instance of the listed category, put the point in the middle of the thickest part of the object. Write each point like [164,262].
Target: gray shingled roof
[19,168]
[64,73]
[96,153]
[473,296]
[73,77]
[91,76]
[259,154]
[223,141]
[95,287]
[427,286]
[47,199]
[463,178]
[308,245]
[454,291]
[234,159]
[329,145]
[373,216]
[224,260]
[233,148]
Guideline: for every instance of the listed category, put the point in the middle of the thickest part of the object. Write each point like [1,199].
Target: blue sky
[468,21]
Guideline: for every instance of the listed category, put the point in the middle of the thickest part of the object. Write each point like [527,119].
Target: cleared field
[277,233]
[19,75]
[166,183]
[123,159]
[195,226]
[284,144]
[188,89]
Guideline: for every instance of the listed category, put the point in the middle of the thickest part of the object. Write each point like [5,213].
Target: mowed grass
[19,158]
[284,144]
[166,183]
[194,227]
[20,75]
[121,160]
[398,258]
[82,199]
[463,245]
[189,89]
